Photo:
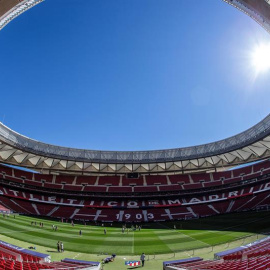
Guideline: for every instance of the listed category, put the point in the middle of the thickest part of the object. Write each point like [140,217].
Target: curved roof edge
[258,10]
[16,10]
[241,140]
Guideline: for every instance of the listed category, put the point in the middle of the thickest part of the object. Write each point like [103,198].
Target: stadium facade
[250,145]
[137,186]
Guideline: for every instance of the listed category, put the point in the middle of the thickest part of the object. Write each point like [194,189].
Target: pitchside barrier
[220,255]
[43,257]
[241,241]
[169,264]
[15,254]
[92,265]
[7,212]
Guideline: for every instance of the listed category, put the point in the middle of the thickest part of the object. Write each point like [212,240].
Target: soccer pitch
[152,239]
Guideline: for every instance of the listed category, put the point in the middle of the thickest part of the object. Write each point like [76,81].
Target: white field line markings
[76,256]
[188,254]
[164,242]
[204,243]
[132,248]
[187,235]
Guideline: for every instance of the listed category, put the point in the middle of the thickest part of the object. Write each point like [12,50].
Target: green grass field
[154,239]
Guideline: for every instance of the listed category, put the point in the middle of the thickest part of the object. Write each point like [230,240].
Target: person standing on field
[142,259]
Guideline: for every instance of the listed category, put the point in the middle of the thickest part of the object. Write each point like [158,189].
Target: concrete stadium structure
[168,185]
[248,146]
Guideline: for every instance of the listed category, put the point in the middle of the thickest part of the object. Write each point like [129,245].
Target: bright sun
[261,58]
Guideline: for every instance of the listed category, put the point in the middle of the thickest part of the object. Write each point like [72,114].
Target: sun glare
[261,58]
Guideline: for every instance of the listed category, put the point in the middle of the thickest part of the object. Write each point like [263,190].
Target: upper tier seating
[33,183]
[43,177]
[242,171]
[53,186]
[23,174]
[120,189]
[179,179]
[222,175]
[193,186]
[88,180]
[64,179]
[95,188]
[261,166]
[212,184]
[109,181]
[140,189]
[202,177]
[133,181]
[73,187]
[156,180]
[142,184]
[13,179]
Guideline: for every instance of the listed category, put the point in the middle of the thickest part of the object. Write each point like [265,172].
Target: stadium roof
[250,145]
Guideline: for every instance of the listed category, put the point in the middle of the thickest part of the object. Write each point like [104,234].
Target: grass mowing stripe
[149,244]
[132,250]
[181,242]
[87,231]
[107,241]
[38,237]
[51,237]
[164,241]
[198,234]
[185,234]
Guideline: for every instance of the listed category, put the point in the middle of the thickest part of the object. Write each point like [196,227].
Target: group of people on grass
[41,224]
[54,227]
[133,228]
[6,215]
[60,246]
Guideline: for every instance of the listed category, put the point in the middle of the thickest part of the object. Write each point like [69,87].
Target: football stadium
[198,207]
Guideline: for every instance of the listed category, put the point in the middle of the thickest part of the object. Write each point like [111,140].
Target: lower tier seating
[254,256]
[115,209]
[15,258]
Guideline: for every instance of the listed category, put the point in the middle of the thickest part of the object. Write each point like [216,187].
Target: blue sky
[131,75]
